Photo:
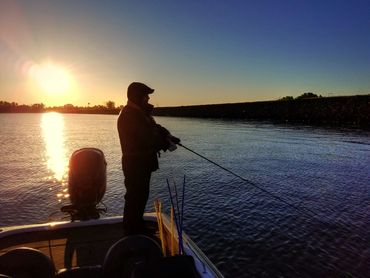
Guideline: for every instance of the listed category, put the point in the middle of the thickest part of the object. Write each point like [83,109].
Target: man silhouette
[141,139]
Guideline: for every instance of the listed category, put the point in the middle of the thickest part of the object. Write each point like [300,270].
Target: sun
[53,83]
[53,78]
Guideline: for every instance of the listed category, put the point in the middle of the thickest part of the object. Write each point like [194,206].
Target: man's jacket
[141,139]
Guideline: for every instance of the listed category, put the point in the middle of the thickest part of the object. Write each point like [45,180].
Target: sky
[191,52]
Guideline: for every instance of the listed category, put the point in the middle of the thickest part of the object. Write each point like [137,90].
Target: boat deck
[73,246]
[86,243]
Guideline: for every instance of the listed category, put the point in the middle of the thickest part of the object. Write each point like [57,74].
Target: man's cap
[138,89]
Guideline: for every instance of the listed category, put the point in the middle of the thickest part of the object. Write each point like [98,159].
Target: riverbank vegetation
[12,107]
[308,108]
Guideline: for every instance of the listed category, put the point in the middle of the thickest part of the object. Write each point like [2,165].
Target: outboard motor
[86,183]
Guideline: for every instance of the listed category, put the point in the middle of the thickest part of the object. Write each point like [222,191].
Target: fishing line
[303,210]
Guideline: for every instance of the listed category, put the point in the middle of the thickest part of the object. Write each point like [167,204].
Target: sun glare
[52,125]
[52,78]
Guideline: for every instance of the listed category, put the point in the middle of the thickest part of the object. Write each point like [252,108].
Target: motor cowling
[87,180]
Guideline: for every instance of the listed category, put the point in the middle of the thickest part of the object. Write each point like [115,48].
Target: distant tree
[307,95]
[286,98]
[38,107]
[110,104]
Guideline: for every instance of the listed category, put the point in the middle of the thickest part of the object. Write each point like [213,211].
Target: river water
[242,229]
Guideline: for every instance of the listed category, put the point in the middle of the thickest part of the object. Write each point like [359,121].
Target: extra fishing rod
[300,209]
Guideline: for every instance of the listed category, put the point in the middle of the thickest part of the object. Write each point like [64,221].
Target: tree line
[302,96]
[309,109]
[109,107]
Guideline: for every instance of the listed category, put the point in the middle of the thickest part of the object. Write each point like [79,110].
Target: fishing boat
[90,246]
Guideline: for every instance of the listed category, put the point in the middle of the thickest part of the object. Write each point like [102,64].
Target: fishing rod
[303,210]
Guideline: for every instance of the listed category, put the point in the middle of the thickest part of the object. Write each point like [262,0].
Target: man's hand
[173,139]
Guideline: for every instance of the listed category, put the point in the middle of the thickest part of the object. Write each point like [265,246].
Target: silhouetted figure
[141,139]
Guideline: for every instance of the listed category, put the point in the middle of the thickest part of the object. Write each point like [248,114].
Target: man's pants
[137,192]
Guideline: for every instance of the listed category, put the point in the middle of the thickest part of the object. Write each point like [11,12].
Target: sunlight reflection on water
[52,125]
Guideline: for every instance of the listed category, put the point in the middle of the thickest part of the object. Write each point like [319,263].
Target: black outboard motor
[86,183]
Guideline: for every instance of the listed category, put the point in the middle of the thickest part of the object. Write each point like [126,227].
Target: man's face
[145,99]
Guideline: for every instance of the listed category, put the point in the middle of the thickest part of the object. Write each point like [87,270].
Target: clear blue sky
[191,52]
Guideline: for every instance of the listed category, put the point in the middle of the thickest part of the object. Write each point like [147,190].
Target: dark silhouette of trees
[110,104]
[307,95]
[38,107]
[286,98]
[13,107]
[307,108]
[302,96]
[343,110]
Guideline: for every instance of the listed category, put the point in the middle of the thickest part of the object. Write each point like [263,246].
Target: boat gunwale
[14,230]
[191,247]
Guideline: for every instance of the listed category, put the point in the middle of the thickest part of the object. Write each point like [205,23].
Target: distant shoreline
[344,110]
